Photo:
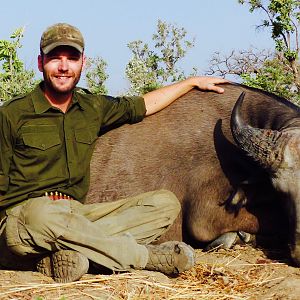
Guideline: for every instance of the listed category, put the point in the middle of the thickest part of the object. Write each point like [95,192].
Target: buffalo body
[189,148]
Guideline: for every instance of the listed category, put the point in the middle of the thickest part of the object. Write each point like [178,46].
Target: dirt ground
[240,273]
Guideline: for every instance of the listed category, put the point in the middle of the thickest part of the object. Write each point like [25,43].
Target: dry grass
[227,277]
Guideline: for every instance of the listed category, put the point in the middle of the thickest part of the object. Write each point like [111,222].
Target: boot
[170,258]
[64,266]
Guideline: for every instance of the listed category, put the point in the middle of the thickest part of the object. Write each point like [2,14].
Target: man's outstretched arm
[162,97]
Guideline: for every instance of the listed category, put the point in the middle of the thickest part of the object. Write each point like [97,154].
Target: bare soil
[240,273]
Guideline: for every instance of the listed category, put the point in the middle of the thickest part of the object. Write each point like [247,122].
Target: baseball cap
[61,34]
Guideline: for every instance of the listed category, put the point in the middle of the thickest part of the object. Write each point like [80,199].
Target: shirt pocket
[42,141]
[85,143]
[86,135]
[39,137]
[39,152]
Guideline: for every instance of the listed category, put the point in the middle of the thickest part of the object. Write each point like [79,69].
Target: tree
[149,68]
[278,72]
[257,68]
[238,62]
[14,78]
[96,75]
[274,76]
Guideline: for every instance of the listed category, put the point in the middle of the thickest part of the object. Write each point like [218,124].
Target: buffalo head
[278,152]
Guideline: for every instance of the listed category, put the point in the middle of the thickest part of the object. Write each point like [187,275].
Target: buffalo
[234,165]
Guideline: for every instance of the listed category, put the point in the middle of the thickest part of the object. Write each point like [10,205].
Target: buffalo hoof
[228,239]
[245,237]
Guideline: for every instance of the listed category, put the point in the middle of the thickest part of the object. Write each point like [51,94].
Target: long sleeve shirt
[43,149]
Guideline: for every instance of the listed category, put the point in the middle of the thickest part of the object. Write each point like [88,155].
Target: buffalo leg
[206,217]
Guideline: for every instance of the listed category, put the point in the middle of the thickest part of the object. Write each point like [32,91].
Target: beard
[61,83]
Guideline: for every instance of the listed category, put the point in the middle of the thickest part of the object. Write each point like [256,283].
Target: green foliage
[275,77]
[282,74]
[14,78]
[96,75]
[149,68]
[283,18]
[8,53]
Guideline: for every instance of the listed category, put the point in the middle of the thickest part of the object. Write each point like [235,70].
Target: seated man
[47,139]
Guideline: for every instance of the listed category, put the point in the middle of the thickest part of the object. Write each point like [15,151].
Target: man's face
[61,68]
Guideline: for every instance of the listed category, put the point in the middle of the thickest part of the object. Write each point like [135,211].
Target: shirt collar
[41,104]
[76,99]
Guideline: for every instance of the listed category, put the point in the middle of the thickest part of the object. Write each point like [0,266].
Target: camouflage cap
[61,34]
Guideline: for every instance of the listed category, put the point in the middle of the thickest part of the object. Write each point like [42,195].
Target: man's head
[61,59]
[61,34]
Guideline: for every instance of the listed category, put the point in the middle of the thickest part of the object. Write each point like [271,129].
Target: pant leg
[10,260]
[146,216]
[44,225]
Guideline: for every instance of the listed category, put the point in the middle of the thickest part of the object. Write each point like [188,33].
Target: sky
[108,26]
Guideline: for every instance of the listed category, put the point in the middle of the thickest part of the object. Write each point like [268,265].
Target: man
[47,138]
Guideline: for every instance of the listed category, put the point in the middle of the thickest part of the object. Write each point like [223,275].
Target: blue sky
[217,25]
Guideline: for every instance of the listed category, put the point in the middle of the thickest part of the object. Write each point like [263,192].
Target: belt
[58,196]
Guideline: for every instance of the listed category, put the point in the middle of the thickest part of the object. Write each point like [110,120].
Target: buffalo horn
[260,144]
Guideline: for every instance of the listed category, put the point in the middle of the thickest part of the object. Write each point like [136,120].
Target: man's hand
[209,83]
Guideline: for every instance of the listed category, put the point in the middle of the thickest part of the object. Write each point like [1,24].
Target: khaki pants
[111,234]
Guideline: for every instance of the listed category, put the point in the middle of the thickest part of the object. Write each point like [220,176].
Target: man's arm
[161,98]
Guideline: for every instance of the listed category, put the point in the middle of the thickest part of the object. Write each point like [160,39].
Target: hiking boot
[170,258]
[64,266]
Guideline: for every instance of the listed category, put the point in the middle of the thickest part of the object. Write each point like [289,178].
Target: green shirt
[43,149]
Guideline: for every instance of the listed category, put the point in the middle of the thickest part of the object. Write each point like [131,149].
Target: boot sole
[64,266]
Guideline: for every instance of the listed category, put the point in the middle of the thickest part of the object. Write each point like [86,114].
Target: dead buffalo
[235,168]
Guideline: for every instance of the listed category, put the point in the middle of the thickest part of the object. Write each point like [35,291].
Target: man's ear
[83,61]
[40,63]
